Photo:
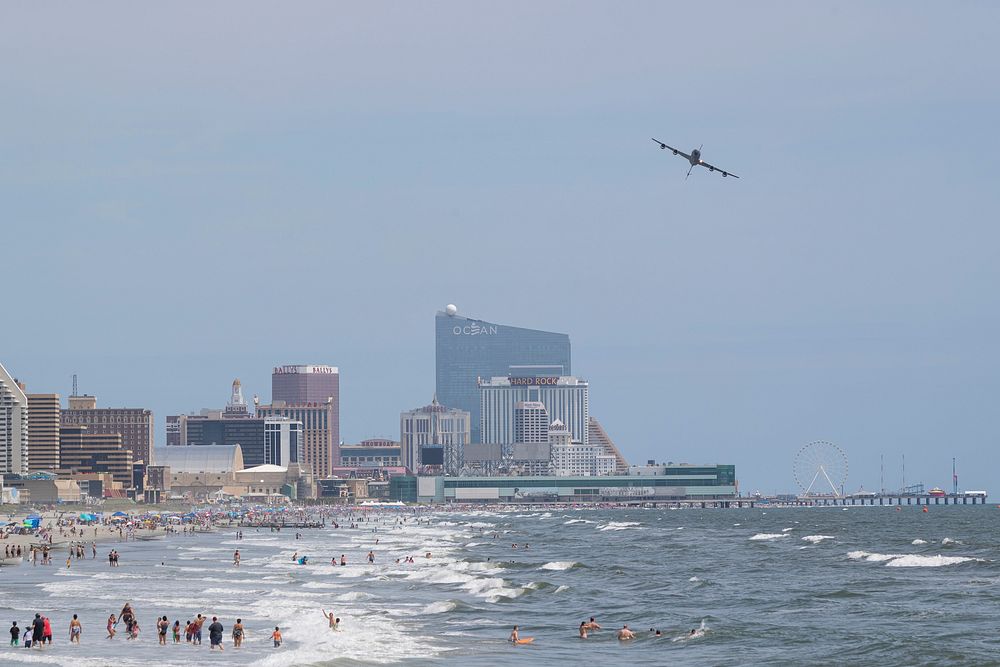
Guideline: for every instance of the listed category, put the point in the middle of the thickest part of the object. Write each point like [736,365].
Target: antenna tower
[74,385]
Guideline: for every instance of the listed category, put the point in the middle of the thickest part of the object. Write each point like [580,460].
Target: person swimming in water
[515,637]
[625,633]
[583,629]
[592,624]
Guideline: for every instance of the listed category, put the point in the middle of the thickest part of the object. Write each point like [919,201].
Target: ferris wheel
[820,468]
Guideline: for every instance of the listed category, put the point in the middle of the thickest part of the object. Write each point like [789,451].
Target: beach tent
[31,523]
[122,514]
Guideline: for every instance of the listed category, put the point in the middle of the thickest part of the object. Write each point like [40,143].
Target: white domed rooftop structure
[200,458]
[451,310]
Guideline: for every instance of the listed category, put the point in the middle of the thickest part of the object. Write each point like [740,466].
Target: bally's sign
[534,382]
[295,370]
[475,329]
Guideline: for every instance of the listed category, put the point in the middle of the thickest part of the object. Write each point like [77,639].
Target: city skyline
[180,217]
[886,471]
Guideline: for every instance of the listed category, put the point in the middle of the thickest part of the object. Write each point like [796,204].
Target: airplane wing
[714,168]
[676,151]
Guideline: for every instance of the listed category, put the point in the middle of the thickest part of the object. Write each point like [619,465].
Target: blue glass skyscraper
[468,349]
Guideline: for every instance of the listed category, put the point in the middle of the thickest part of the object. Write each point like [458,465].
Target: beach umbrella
[119,514]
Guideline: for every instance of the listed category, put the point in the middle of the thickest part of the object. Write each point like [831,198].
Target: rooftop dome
[200,458]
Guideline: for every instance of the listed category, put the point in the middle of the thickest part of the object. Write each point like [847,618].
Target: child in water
[276,636]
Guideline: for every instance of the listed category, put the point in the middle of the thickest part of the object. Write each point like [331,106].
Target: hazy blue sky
[191,193]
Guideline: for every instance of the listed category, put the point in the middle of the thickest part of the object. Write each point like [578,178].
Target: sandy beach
[62,538]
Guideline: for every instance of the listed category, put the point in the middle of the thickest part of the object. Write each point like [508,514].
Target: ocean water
[866,586]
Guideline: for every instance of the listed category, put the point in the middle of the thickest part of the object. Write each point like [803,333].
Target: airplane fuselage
[694,158]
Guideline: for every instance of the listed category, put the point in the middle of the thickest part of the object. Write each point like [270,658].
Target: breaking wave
[911,560]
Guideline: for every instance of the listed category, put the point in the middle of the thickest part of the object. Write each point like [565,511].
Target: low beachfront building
[708,483]
[199,472]
[44,488]
[295,481]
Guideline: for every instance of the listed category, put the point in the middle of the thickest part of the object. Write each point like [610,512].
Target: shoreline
[60,542]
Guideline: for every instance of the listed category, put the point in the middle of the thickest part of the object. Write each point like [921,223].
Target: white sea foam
[561,589]
[694,579]
[816,539]
[354,596]
[325,585]
[918,541]
[572,521]
[768,536]
[559,565]
[931,561]
[872,557]
[911,560]
[946,541]
[620,525]
[440,607]
[785,530]
[364,638]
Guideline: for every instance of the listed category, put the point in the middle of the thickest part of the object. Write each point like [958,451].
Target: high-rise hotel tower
[13,426]
[469,350]
[309,394]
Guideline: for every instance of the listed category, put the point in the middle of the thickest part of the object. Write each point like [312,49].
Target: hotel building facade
[13,426]
[135,425]
[468,350]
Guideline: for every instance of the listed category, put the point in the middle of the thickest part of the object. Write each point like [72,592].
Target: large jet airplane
[694,159]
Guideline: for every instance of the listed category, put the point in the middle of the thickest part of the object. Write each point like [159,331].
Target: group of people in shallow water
[589,627]
[38,633]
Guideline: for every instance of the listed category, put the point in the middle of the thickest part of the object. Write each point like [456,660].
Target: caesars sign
[534,382]
[475,329]
[295,370]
